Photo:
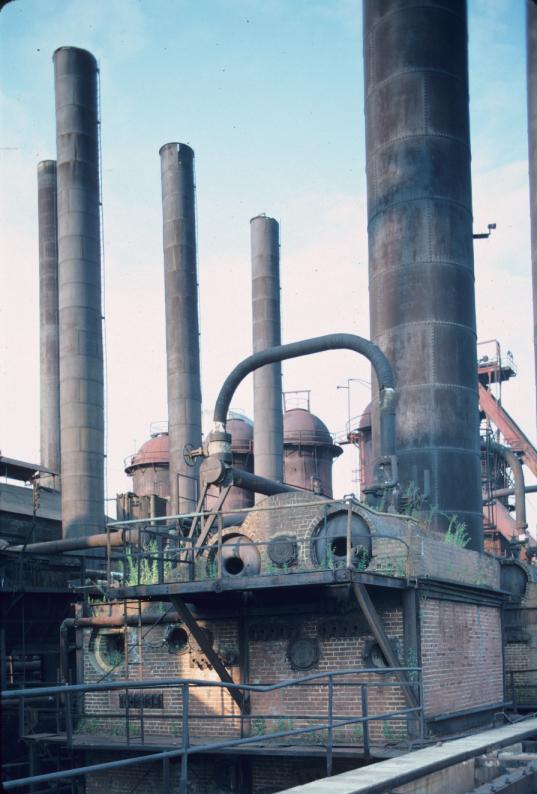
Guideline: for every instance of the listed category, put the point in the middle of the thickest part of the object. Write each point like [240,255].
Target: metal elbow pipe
[515,464]
[262,485]
[306,347]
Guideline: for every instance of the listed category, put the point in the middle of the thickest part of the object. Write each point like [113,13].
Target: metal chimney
[421,277]
[182,324]
[268,412]
[531,72]
[49,354]
[80,311]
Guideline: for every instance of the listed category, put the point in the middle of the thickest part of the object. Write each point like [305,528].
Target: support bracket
[377,629]
[201,638]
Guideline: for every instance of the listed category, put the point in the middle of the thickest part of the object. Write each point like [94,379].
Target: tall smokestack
[182,323]
[80,310]
[531,71]
[421,277]
[49,353]
[268,413]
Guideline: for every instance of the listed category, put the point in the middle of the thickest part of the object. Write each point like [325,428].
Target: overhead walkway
[387,776]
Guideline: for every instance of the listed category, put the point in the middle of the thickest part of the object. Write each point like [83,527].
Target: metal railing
[70,705]
[161,554]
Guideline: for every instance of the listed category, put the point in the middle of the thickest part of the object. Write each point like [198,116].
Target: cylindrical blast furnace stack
[421,277]
[49,337]
[268,411]
[182,323]
[531,35]
[80,310]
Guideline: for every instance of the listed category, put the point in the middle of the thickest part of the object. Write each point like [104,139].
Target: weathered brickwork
[521,649]
[458,642]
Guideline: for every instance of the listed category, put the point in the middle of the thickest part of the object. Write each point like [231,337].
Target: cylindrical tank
[150,467]
[79,280]
[182,323]
[421,275]
[49,336]
[308,452]
[531,72]
[241,430]
[268,413]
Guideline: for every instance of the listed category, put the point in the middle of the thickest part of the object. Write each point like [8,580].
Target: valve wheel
[188,457]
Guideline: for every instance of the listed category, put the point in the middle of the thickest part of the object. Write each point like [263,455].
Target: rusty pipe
[98,541]
[500,492]
[515,464]
[102,621]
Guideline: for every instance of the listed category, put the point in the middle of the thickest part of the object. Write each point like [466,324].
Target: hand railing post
[127,717]
[422,706]
[192,563]
[139,555]
[22,730]
[365,722]
[142,723]
[160,558]
[68,719]
[330,742]
[349,535]
[183,782]
[219,549]
[166,782]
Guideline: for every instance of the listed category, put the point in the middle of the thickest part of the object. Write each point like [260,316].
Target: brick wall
[213,711]
[521,649]
[461,651]
[275,710]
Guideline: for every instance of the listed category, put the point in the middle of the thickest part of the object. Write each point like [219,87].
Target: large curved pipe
[515,464]
[306,347]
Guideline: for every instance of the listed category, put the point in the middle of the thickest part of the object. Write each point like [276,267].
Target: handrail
[155,683]
[413,713]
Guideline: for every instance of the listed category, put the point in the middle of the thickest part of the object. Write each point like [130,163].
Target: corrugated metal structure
[182,322]
[268,411]
[80,310]
[421,278]
[49,336]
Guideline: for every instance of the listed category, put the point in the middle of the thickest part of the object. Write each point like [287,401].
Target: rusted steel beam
[377,629]
[209,521]
[201,638]
[512,433]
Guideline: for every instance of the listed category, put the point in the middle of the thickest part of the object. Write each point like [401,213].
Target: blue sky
[269,94]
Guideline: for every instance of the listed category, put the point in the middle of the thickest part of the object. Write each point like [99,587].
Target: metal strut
[377,629]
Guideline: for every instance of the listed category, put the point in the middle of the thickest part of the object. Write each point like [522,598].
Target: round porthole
[108,649]
[283,550]
[373,656]
[176,639]
[303,653]
[376,657]
[329,541]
